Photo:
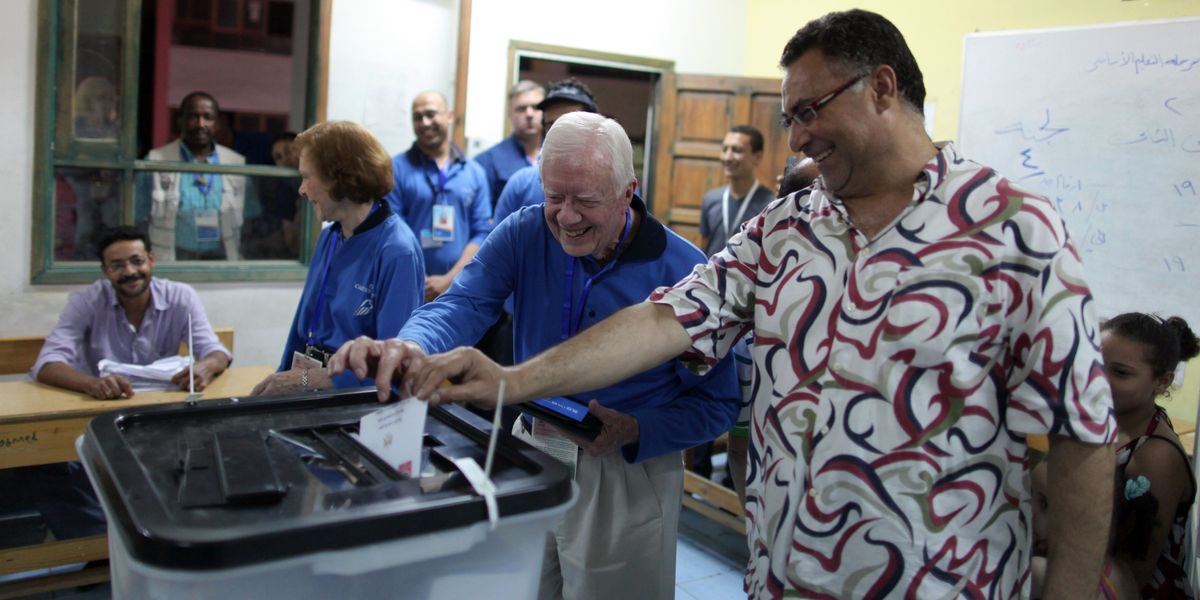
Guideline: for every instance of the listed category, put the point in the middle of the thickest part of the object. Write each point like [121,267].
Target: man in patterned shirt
[915,316]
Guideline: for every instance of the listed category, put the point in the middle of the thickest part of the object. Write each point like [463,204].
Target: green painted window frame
[44,269]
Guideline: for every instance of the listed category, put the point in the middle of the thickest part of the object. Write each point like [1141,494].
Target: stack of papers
[146,378]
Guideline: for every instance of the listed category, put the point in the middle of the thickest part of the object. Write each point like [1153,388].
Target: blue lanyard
[328,262]
[442,178]
[570,320]
[203,181]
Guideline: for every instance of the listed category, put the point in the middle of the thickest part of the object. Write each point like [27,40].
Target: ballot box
[276,498]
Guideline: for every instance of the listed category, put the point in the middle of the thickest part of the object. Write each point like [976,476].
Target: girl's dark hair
[1170,340]
[1133,521]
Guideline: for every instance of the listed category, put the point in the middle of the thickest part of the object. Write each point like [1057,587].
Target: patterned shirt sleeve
[715,304]
[1056,376]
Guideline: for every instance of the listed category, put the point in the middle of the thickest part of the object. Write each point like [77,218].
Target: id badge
[443,223]
[208,225]
[302,361]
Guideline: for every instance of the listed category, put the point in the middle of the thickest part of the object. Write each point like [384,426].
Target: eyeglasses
[116,266]
[807,113]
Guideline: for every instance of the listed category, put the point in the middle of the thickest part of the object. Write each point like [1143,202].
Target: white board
[1105,121]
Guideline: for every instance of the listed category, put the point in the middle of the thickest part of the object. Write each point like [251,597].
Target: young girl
[1140,355]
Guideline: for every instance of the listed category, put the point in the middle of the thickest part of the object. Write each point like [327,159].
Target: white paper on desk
[394,433]
[144,378]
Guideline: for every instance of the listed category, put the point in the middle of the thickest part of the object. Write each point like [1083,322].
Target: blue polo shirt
[524,188]
[499,163]
[375,280]
[675,408]
[419,186]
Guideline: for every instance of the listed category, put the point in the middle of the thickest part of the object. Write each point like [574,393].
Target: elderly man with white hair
[589,251]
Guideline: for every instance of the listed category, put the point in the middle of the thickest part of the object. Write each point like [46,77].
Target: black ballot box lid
[238,481]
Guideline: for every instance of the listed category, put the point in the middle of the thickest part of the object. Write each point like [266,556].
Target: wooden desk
[38,425]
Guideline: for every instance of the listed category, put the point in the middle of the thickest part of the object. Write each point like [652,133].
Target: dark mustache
[130,278]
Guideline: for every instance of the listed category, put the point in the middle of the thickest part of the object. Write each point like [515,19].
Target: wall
[701,36]
[934,30]
[382,53]
[241,81]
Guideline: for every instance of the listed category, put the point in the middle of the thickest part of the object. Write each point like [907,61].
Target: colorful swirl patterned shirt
[896,379]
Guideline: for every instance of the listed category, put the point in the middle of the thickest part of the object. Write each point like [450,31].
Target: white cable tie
[483,486]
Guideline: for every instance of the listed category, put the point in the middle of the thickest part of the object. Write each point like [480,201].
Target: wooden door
[694,114]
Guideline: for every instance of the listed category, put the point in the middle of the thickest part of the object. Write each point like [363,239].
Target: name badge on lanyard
[208,225]
[441,229]
[443,223]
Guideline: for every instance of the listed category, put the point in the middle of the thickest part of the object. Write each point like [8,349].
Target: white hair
[593,138]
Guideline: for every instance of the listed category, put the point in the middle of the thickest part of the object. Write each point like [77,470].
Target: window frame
[44,268]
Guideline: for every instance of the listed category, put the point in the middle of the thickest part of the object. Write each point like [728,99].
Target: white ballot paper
[394,433]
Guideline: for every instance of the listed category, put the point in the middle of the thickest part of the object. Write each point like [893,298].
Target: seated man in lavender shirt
[129,317]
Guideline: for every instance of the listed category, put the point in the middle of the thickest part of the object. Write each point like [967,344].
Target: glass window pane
[90,78]
[86,203]
[219,217]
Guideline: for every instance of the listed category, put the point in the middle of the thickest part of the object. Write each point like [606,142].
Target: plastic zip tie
[483,486]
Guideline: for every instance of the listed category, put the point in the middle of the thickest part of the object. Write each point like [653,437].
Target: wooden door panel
[764,114]
[691,178]
[704,115]
[694,113]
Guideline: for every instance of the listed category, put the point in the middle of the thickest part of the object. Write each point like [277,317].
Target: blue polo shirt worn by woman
[462,185]
[375,280]
[675,408]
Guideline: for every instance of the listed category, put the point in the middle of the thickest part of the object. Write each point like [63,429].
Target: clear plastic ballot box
[275,498]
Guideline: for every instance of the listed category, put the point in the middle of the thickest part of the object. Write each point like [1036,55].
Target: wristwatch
[304,379]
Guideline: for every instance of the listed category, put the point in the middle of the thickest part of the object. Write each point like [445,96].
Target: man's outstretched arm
[629,342]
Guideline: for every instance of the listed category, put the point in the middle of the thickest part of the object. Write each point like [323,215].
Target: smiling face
[1130,372]
[128,265]
[431,121]
[583,212]
[737,158]
[840,139]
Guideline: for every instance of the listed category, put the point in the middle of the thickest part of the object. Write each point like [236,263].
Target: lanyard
[570,322]
[328,262]
[741,211]
[442,178]
[203,181]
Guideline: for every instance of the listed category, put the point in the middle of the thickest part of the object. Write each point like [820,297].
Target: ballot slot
[334,457]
